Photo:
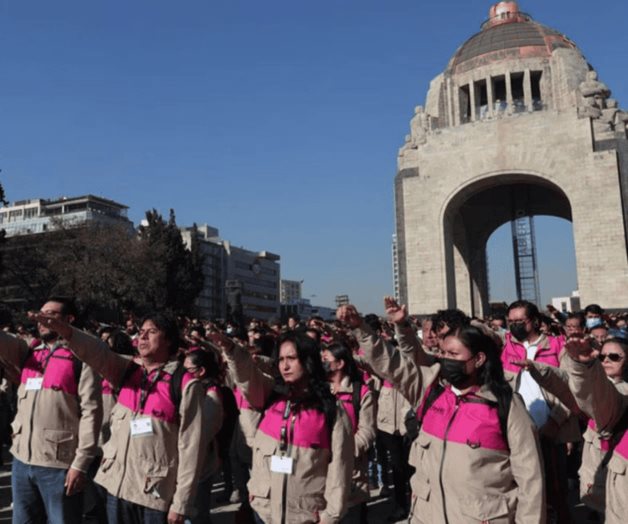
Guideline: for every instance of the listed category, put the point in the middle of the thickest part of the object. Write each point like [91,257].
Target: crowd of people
[455,419]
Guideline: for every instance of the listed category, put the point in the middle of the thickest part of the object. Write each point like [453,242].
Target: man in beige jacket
[56,428]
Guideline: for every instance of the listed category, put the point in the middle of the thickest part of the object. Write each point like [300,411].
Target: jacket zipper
[30,429]
[442,459]
[284,495]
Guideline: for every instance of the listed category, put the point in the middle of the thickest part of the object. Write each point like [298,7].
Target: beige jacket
[213,418]
[464,483]
[54,426]
[318,487]
[598,396]
[567,422]
[160,470]
[364,437]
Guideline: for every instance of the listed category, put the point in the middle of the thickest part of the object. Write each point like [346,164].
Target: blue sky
[276,121]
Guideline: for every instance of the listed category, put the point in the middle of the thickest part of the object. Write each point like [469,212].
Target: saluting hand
[396,313]
[53,323]
[581,350]
[349,315]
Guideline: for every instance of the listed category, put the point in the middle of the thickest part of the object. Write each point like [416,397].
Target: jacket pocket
[154,480]
[60,444]
[16,430]
[486,508]
[263,449]
[108,457]
[423,445]
[616,488]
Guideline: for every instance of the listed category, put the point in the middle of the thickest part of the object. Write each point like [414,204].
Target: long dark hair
[318,394]
[491,373]
[343,353]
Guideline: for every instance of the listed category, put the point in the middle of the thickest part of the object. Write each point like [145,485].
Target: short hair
[579,315]
[68,305]
[454,319]
[594,308]
[532,312]
[373,321]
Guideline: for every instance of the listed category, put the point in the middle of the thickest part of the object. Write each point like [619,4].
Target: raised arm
[594,393]
[91,350]
[13,353]
[387,362]
[250,380]
[409,343]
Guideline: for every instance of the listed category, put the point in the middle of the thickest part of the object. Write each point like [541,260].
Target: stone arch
[470,215]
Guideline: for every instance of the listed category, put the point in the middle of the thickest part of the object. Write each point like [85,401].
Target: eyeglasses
[613,357]
[518,321]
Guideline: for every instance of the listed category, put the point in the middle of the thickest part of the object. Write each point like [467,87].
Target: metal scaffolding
[526,269]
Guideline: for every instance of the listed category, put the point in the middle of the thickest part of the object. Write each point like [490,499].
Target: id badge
[34,383]
[141,427]
[281,464]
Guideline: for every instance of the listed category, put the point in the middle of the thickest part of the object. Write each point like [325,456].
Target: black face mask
[453,371]
[519,331]
[327,367]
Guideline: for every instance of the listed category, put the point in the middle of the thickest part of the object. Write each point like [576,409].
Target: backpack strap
[356,400]
[77,366]
[176,380]
[436,389]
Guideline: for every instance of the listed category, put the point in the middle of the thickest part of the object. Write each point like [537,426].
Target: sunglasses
[613,357]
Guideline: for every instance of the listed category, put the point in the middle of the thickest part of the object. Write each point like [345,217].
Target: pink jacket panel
[470,422]
[241,401]
[59,373]
[158,404]
[347,401]
[514,350]
[310,429]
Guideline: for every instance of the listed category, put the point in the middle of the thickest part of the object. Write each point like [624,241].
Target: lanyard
[46,359]
[284,428]
[144,390]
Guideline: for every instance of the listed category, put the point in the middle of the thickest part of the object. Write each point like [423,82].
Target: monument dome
[509,33]
[517,125]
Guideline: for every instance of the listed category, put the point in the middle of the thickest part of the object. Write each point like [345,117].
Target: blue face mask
[593,322]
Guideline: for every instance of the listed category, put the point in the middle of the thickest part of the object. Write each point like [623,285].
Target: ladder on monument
[526,272]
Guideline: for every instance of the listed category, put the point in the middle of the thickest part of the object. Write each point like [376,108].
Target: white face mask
[593,322]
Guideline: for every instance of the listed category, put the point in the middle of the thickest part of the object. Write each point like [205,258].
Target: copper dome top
[508,34]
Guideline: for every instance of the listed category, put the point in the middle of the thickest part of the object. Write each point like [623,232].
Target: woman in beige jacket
[303,447]
[477,455]
[346,384]
[599,397]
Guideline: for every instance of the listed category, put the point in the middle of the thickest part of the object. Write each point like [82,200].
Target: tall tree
[180,275]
